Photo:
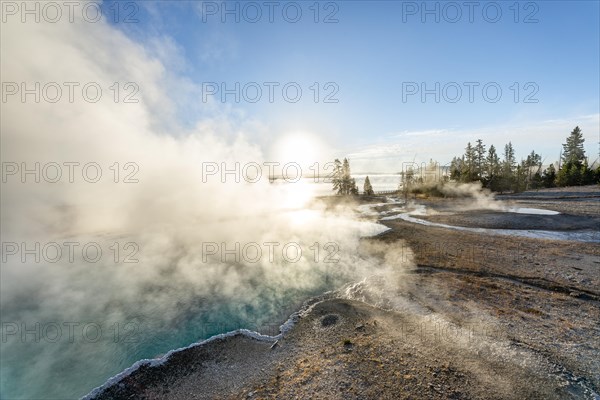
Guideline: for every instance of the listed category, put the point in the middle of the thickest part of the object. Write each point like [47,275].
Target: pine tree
[367,188]
[509,162]
[533,160]
[531,166]
[456,168]
[469,164]
[346,179]
[353,187]
[549,176]
[536,181]
[507,179]
[570,174]
[492,162]
[343,183]
[587,175]
[479,159]
[573,151]
[520,180]
[337,177]
[574,170]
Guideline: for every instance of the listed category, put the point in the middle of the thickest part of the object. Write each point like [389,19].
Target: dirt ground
[476,317]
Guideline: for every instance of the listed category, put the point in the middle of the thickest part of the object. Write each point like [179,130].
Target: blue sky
[374,50]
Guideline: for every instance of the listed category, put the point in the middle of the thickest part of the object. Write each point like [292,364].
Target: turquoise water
[70,370]
[86,324]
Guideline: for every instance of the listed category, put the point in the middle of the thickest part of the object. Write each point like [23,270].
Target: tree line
[499,173]
[503,174]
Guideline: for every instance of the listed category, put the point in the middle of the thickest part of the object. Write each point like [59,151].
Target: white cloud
[545,137]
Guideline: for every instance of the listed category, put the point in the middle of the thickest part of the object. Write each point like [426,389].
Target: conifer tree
[479,159]
[368,189]
[573,151]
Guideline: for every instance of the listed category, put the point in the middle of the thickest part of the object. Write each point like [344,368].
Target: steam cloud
[168,214]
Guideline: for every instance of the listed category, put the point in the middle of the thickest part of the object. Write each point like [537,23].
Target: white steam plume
[168,214]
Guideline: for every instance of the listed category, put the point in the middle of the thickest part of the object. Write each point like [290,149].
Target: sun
[302,148]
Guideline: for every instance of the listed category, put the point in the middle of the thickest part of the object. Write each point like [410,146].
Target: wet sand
[476,317]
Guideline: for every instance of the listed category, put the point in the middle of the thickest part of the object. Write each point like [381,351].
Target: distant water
[380,182]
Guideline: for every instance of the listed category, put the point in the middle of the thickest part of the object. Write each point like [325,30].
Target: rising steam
[168,214]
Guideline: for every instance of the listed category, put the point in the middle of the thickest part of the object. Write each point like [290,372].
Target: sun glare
[297,194]
[302,148]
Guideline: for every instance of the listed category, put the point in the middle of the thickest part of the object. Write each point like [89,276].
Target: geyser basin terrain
[348,349]
[480,316]
[551,221]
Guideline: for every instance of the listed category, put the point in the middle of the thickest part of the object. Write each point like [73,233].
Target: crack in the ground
[536,282]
